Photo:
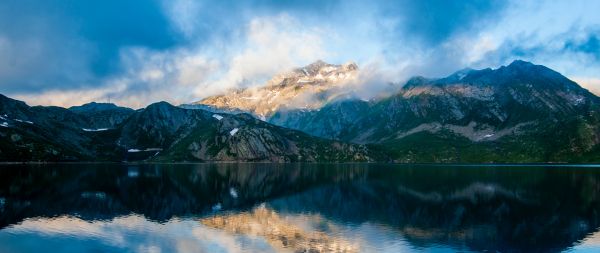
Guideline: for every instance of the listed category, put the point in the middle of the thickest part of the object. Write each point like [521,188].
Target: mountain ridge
[496,108]
[521,112]
[161,132]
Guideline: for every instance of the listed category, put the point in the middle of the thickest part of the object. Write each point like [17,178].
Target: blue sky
[135,52]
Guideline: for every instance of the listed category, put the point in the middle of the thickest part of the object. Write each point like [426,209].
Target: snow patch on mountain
[135,150]
[217,116]
[24,121]
[94,130]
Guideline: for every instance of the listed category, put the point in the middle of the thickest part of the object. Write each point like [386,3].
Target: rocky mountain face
[332,121]
[160,132]
[177,134]
[44,133]
[519,112]
[103,115]
[309,87]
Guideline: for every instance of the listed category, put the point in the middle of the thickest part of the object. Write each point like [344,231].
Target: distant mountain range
[517,113]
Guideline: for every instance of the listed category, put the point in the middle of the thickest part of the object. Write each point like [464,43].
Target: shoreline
[551,164]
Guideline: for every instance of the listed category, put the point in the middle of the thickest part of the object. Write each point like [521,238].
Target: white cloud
[183,14]
[540,29]
[272,45]
[265,46]
[66,98]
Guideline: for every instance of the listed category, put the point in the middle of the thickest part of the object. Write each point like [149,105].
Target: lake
[298,208]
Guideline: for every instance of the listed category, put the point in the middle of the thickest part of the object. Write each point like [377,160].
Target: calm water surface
[298,208]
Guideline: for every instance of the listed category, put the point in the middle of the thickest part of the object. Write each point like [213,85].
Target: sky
[136,52]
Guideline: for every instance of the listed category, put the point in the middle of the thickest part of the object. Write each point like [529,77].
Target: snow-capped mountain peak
[307,87]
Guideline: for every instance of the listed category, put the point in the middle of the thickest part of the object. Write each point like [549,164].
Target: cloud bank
[135,52]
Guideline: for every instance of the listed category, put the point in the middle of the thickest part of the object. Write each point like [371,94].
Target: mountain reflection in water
[298,207]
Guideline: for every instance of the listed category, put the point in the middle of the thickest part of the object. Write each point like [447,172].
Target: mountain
[521,112]
[45,134]
[332,121]
[309,87]
[517,113]
[159,132]
[498,99]
[103,115]
[188,135]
